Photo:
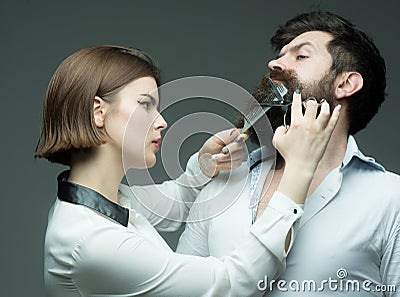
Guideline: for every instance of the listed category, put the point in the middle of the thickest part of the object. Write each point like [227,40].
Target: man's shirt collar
[352,152]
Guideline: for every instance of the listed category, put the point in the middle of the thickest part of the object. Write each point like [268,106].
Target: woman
[97,244]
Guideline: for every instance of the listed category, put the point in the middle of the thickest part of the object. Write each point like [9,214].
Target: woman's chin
[146,165]
[132,162]
[151,163]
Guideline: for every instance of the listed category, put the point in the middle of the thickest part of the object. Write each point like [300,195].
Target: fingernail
[322,101]
[214,157]
[232,132]
[297,91]
[225,150]
[339,107]
[239,139]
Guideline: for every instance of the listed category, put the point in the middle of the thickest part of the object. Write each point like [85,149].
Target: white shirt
[350,227]
[94,247]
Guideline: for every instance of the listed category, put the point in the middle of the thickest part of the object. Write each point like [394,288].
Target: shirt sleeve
[194,239]
[390,263]
[167,205]
[111,263]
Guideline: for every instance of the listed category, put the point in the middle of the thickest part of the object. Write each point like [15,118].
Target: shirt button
[295,211]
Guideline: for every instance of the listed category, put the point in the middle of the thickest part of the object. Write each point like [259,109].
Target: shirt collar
[81,195]
[352,152]
[259,155]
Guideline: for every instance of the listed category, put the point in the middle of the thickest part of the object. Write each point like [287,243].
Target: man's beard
[322,89]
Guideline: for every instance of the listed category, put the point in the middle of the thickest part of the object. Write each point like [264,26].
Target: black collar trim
[81,195]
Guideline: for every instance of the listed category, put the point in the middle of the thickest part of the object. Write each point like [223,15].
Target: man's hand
[222,151]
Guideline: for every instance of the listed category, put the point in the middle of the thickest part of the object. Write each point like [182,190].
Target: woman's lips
[157,142]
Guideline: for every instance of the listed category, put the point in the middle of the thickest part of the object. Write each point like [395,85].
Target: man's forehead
[316,39]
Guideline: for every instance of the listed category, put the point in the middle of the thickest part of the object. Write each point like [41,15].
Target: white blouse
[94,247]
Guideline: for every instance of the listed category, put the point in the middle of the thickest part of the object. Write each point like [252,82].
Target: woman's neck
[99,169]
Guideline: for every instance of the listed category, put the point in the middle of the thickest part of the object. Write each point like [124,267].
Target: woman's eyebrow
[153,100]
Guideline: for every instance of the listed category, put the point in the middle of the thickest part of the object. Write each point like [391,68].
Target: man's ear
[347,84]
[100,108]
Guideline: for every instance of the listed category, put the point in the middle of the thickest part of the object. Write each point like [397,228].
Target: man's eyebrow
[153,100]
[295,48]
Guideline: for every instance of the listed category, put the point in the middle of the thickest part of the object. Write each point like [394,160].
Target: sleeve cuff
[194,177]
[273,226]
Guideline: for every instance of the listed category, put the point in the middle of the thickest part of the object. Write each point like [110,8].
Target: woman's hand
[303,145]
[222,151]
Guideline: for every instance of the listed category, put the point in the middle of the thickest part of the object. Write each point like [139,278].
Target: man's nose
[277,64]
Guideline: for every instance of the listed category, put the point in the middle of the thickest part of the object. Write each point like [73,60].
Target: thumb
[280,132]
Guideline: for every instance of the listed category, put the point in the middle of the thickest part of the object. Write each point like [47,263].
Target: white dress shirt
[349,232]
[95,247]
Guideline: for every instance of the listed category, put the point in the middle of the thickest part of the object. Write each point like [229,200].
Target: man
[348,239]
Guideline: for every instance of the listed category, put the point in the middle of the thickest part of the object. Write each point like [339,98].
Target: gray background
[219,38]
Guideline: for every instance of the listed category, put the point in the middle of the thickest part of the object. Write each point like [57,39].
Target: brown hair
[68,122]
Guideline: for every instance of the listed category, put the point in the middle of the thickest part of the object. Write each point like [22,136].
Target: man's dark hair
[351,50]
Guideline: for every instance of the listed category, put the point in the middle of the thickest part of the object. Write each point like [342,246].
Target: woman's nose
[160,123]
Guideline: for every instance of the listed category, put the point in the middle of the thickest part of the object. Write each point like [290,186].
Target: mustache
[280,75]
[288,78]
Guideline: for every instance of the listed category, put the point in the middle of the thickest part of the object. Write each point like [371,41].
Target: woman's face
[134,123]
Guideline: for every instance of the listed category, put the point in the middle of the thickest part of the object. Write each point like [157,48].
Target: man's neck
[332,158]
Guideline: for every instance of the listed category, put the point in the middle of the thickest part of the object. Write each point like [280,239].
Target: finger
[333,120]
[229,165]
[239,155]
[296,113]
[231,150]
[208,165]
[324,114]
[311,110]
[228,136]
[280,132]
[239,140]
[242,138]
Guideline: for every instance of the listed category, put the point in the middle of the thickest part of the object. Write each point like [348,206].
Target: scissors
[279,92]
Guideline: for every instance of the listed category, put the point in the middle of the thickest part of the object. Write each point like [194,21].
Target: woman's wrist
[295,182]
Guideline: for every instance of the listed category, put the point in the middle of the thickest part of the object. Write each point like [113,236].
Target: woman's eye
[145,104]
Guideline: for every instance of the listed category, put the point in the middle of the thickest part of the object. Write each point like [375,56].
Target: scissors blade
[275,89]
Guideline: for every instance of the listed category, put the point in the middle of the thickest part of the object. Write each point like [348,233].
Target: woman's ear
[348,83]
[100,108]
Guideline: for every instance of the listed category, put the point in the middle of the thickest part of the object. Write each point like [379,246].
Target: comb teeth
[282,90]
[269,99]
[257,112]
[272,98]
[254,113]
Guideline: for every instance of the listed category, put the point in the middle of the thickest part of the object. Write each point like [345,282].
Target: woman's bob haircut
[68,122]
